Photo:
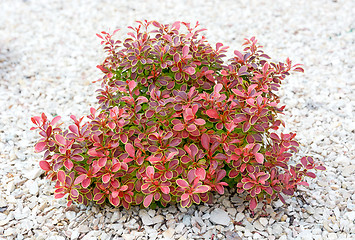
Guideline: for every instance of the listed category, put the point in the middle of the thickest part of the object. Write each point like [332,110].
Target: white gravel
[48,54]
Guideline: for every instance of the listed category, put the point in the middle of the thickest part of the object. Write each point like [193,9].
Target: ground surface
[48,54]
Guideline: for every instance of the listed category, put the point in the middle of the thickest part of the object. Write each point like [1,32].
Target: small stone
[263,221]
[146,219]
[128,236]
[83,229]
[115,217]
[219,216]
[258,226]
[70,215]
[179,227]
[310,210]
[232,211]
[151,213]
[169,233]
[284,218]
[239,217]
[158,219]
[74,235]
[277,230]
[348,170]
[186,220]
[332,236]
[232,236]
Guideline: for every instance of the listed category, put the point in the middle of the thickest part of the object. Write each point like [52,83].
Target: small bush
[175,124]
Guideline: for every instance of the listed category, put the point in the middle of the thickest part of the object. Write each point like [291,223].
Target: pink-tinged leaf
[167,37]
[149,113]
[311,175]
[68,164]
[79,179]
[274,136]
[190,70]
[304,161]
[250,101]
[55,120]
[191,128]
[217,88]
[185,196]
[106,178]
[40,146]
[131,85]
[61,176]
[175,142]
[205,141]
[299,69]
[150,172]
[111,125]
[98,196]
[182,183]
[74,129]
[116,167]
[77,158]
[59,195]
[130,150]
[202,189]
[165,189]
[233,173]
[185,51]
[114,201]
[220,188]
[259,158]
[320,168]
[246,126]
[44,165]
[220,175]
[148,200]
[252,204]
[60,139]
[304,184]
[176,57]
[200,122]
[74,193]
[212,113]
[200,173]
[123,138]
[196,198]
[178,127]
[248,185]
[102,162]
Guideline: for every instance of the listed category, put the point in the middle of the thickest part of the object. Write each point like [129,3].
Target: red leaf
[45,165]
[150,172]
[40,146]
[178,127]
[182,183]
[212,113]
[202,189]
[259,158]
[61,176]
[252,204]
[68,164]
[200,122]
[60,139]
[106,178]
[130,150]
[148,200]
[205,141]
[131,85]
[165,189]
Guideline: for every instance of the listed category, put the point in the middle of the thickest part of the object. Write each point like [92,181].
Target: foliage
[175,123]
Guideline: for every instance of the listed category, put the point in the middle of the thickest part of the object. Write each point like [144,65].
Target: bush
[175,124]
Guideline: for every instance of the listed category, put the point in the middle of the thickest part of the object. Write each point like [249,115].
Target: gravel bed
[48,57]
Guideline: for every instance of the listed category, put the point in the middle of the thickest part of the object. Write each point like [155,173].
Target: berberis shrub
[176,123]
